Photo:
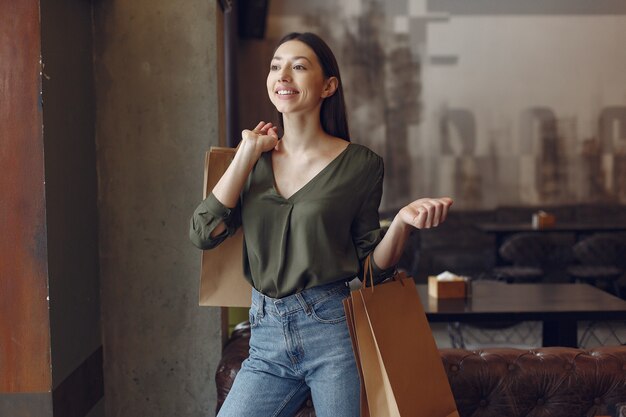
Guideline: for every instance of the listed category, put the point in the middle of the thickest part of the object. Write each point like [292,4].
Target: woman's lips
[286,93]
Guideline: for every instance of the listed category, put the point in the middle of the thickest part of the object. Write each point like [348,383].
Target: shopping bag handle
[368,271]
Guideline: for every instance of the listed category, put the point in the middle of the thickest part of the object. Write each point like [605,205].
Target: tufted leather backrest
[526,249]
[600,249]
[546,382]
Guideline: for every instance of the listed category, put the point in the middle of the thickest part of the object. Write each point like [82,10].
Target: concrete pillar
[158,111]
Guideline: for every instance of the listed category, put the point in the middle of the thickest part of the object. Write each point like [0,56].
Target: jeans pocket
[330,309]
[253,316]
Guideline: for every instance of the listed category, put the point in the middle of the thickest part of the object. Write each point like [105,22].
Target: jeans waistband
[301,300]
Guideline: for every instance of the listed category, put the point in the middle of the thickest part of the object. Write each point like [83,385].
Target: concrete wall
[492,102]
[157,113]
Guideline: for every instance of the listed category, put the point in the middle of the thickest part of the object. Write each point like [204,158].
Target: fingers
[273,132]
[247,134]
[447,202]
[259,126]
[266,127]
[425,213]
[437,210]
[428,212]
[442,206]
[420,219]
[261,129]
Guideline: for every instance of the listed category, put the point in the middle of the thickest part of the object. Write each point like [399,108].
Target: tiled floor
[528,335]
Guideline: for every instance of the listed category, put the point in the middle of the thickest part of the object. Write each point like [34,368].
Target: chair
[602,333]
[598,263]
[518,334]
[599,260]
[508,333]
[528,253]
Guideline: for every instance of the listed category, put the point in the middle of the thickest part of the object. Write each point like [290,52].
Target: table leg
[560,333]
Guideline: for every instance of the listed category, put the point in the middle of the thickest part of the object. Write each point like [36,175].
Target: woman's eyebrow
[295,58]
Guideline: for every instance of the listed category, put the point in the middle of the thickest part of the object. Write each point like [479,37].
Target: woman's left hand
[425,212]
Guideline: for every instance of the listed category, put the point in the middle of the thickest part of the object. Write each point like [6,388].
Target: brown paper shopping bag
[222,281]
[402,372]
[347,305]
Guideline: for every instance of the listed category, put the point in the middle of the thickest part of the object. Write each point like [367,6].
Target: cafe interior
[515,109]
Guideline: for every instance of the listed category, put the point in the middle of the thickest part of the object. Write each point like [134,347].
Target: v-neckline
[309,182]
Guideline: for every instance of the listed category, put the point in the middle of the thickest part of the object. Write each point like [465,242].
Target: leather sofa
[544,382]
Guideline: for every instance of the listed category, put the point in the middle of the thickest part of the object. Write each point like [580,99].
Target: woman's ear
[330,86]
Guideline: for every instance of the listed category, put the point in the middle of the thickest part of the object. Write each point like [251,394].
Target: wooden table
[558,306]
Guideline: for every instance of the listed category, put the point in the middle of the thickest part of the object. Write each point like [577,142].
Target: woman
[309,205]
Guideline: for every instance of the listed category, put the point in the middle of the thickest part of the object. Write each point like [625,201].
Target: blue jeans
[298,344]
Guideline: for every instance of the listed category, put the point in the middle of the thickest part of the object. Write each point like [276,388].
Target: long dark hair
[333,111]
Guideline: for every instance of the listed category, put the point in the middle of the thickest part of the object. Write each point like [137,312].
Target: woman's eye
[273,67]
[299,67]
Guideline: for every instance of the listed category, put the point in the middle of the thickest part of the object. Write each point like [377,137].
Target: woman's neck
[302,132]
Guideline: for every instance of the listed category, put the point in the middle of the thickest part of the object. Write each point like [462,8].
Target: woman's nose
[284,75]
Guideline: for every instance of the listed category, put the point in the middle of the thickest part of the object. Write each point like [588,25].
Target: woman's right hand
[263,137]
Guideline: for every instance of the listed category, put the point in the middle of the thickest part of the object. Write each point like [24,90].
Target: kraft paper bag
[402,372]
[222,281]
[347,305]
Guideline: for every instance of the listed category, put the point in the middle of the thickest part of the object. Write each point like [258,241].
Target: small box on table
[449,288]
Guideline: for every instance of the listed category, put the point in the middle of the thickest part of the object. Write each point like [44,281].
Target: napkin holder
[455,288]
[543,220]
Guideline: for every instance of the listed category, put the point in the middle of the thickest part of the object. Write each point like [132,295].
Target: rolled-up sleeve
[366,230]
[207,216]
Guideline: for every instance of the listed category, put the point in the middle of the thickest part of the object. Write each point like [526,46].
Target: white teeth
[286,92]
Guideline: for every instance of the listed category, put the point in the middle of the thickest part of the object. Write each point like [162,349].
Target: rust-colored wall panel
[24,321]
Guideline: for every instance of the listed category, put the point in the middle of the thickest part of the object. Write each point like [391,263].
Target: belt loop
[304,304]
[261,312]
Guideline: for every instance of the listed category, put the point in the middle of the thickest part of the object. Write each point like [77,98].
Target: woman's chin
[284,109]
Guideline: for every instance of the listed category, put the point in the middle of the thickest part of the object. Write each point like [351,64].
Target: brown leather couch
[546,382]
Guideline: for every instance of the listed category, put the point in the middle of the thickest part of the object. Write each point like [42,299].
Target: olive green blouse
[321,234]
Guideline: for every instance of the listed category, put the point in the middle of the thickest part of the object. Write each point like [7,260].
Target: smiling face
[296,82]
